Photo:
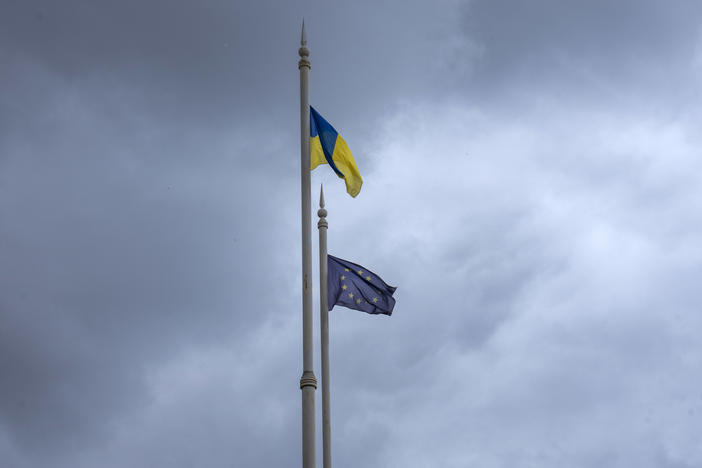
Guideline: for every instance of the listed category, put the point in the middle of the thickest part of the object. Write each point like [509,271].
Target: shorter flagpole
[324,324]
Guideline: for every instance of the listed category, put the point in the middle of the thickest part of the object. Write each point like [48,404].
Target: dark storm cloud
[103,252]
[596,49]
[194,61]
[149,243]
[139,145]
[223,64]
[108,215]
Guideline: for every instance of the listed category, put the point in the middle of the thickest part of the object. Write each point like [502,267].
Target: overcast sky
[532,186]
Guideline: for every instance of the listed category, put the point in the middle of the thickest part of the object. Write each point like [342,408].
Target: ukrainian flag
[327,147]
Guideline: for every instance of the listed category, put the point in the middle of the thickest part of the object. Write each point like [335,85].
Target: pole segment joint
[308,380]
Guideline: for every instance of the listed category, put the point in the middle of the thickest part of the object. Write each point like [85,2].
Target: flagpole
[308,382]
[324,324]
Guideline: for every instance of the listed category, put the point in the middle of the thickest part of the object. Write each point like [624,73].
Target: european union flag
[353,286]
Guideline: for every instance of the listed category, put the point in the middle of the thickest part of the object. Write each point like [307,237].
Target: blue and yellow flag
[353,286]
[327,147]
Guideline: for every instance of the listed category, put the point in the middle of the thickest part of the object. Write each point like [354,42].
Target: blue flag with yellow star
[353,286]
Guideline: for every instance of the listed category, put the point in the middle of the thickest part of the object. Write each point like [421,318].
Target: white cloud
[573,220]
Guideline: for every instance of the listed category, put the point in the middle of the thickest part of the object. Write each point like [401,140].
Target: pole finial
[303,50]
[321,212]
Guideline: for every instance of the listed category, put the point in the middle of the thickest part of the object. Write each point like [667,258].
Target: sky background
[531,186]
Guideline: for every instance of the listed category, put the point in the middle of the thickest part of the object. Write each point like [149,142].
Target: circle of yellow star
[351,295]
[367,278]
[343,277]
[343,286]
[375,299]
[358,301]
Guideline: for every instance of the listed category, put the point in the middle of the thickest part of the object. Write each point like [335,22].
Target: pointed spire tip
[321,212]
[303,38]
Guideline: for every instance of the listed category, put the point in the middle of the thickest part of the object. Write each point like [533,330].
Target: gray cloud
[595,50]
[546,253]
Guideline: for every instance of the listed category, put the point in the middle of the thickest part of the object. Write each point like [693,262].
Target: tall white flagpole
[324,324]
[308,382]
